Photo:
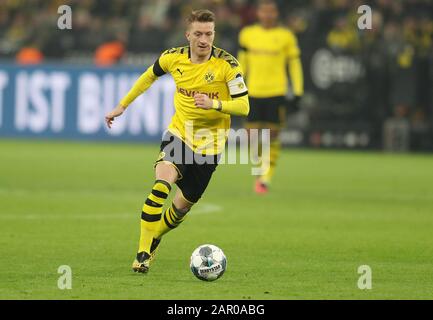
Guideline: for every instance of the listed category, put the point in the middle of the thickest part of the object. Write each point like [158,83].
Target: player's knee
[181,204]
[166,171]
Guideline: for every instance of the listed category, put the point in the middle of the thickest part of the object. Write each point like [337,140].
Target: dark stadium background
[364,88]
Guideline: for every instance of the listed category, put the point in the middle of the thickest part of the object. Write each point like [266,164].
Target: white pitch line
[206,208]
[202,208]
[44,217]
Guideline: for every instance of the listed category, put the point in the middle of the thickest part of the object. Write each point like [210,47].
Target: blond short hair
[201,15]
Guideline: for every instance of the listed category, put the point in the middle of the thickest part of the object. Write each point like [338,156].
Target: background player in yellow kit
[267,51]
[209,88]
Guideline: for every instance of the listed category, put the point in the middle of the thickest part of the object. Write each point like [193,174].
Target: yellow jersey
[265,55]
[204,131]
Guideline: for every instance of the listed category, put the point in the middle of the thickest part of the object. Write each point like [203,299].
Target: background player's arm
[295,67]
[242,52]
[296,76]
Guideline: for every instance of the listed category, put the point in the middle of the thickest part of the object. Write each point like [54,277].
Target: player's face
[267,15]
[201,36]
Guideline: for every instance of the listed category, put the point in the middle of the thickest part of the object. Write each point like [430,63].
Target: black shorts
[267,112]
[194,170]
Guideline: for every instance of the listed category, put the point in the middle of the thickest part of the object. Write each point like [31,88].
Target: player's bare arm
[116,112]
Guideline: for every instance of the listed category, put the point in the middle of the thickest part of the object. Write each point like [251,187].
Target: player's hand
[203,101]
[293,105]
[109,118]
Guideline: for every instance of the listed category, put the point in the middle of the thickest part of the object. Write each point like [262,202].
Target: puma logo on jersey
[178,70]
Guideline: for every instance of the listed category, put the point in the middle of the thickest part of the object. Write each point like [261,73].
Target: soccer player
[265,51]
[209,88]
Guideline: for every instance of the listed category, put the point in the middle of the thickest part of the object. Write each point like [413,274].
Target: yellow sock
[151,214]
[269,161]
[255,143]
[172,218]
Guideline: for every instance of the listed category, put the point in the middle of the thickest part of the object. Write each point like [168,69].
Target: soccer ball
[208,262]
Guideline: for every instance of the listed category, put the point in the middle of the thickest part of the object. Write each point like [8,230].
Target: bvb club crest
[209,77]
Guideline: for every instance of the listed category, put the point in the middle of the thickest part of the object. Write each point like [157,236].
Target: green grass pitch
[78,204]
